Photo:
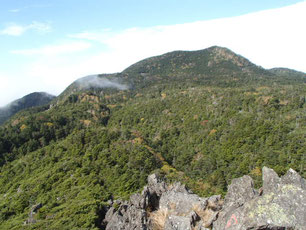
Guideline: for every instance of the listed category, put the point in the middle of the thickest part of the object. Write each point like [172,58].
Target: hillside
[200,117]
[28,101]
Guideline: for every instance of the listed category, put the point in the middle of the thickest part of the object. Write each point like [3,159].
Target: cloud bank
[94,81]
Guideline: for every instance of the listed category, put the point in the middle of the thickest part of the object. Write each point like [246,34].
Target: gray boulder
[134,213]
[240,191]
[281,206]
[194,210]
[270,180]
[292,177]
[162,206]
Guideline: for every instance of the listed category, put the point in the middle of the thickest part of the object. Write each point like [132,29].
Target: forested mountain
[28,101]
[287,72]
[199,117]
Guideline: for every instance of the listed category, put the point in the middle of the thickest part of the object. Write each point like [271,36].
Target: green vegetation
[202,117]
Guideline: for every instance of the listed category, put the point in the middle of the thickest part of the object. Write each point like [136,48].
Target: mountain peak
[192,60]
[224,54]
[30,100]
[215,65]
[218,48]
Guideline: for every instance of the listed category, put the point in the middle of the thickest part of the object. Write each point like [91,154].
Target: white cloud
[99,36]
[14,10]
[18,30]
[13,30]
[58,49]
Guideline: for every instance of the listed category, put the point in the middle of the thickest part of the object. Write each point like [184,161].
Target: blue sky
[45,45]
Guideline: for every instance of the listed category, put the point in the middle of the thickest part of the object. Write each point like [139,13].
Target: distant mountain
[28,101]
[207,63]
[215,66]
[287,72]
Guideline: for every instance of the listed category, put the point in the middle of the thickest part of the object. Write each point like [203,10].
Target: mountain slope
[287,72]
[215,66]
[209,62]
[203,126]
[28,101]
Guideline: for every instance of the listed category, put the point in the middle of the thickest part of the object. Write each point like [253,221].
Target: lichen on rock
[281,205]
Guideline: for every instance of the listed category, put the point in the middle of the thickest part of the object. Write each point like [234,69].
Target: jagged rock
[134,214]
[282,205]
[156,185]
[182,209]
[270,179]
[181,203]
[292,177]
[240,191]
[109,214]
[160,206]
[128,216]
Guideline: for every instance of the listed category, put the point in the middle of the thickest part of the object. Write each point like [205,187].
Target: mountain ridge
[214,65]
[27,101]
[286,71]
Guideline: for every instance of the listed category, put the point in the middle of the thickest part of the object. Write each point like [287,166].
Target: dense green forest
[202,118]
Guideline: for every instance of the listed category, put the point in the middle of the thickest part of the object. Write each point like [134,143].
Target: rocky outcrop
[181,209]
[162,206]
[280,204]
